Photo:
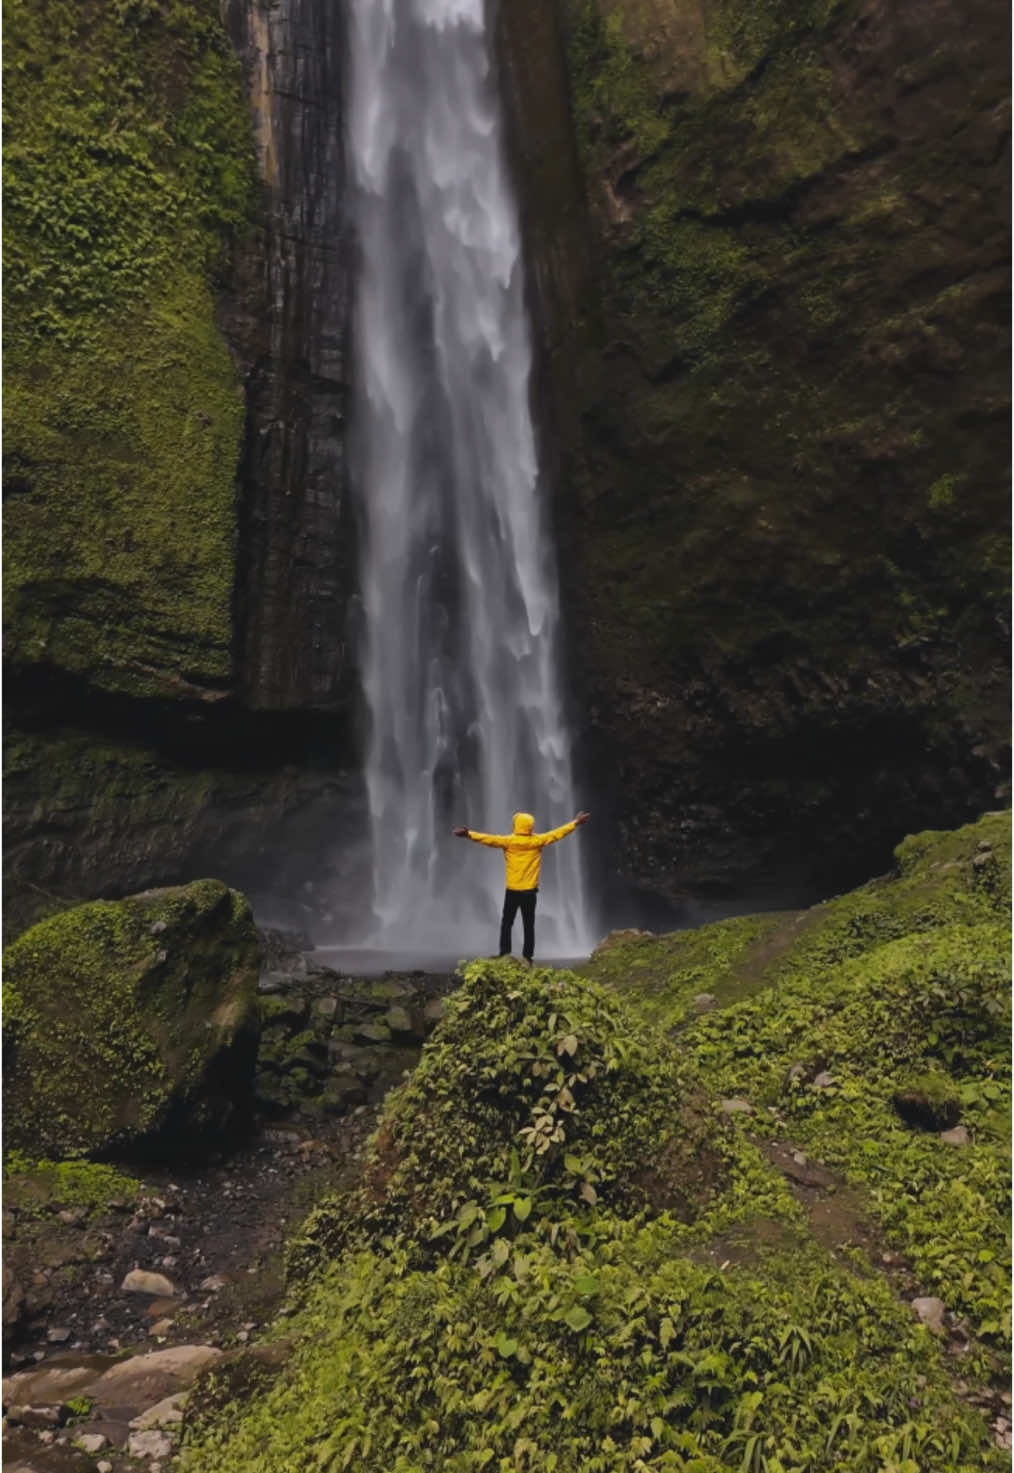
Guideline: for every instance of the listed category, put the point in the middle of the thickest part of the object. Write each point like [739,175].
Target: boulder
[929,1101]
[117,1033]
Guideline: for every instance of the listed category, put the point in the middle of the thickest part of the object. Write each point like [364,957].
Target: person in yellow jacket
[523,857]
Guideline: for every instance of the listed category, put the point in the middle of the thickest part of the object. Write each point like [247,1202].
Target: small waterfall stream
[458,570]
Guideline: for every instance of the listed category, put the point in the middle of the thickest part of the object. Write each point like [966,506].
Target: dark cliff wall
[288,319]
[782,400]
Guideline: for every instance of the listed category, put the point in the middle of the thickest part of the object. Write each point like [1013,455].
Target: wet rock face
[288,320]
[779,384]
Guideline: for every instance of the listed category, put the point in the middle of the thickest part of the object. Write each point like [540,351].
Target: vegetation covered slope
[787,448]
[567,1255]
[128,171]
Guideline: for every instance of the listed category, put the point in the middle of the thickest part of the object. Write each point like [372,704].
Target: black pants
[514,901]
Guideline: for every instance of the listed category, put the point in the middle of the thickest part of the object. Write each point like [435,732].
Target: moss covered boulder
[132,1021]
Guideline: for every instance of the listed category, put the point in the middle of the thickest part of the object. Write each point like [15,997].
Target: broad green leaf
[522,1208]
[577,1317]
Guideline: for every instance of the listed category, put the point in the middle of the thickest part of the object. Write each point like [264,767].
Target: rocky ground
[111,1307]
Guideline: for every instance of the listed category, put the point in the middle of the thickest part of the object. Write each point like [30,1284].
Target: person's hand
[460,833]
[582,817]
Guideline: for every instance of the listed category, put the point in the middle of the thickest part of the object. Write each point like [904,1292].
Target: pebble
[58,1336]
[736,1106]
[956,1136]
[931,1311]
[73,1216]
[799,1158]
[163,1414]
[214,1283]
[104,1467]
[149,1444]
[161,1327]
[92,1442]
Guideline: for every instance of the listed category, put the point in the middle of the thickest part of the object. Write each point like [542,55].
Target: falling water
[458,574]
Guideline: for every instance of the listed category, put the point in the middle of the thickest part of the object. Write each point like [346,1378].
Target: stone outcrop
[287,317]
[779,361]
[132,1021]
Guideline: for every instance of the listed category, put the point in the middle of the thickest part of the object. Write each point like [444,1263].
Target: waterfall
[461,609]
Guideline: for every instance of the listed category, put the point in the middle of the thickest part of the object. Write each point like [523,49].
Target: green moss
[36,1186]
[772,312]
[128,172]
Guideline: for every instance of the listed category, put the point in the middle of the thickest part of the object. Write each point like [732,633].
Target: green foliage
[905,980]
[538,1096]
[626,1356]
[128,177]
[508,1291]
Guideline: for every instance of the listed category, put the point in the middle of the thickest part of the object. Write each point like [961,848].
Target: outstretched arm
[564,829]
[495,841]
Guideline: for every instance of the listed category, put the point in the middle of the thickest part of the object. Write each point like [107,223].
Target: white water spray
[458,574]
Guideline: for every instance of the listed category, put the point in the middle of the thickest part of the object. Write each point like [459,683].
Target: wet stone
[931,1311]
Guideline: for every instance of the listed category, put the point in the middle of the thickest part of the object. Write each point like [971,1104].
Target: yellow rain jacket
[523,849]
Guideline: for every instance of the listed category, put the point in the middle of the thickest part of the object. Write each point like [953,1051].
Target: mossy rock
[132,1021]
[930,1101]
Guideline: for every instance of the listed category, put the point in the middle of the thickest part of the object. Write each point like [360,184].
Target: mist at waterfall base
[460,608]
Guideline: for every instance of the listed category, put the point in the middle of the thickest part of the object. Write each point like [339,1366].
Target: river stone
[13,1299]
[150,1042]
[144,1380]
[164,1413]
[139,1281]
[376,1032]
[150,1444]
[58,1380]
[931,1311]
[92,1442]
[434,1011]
[399,1020]
[957,1136]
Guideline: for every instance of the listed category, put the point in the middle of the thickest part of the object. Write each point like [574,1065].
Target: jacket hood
[524,823]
